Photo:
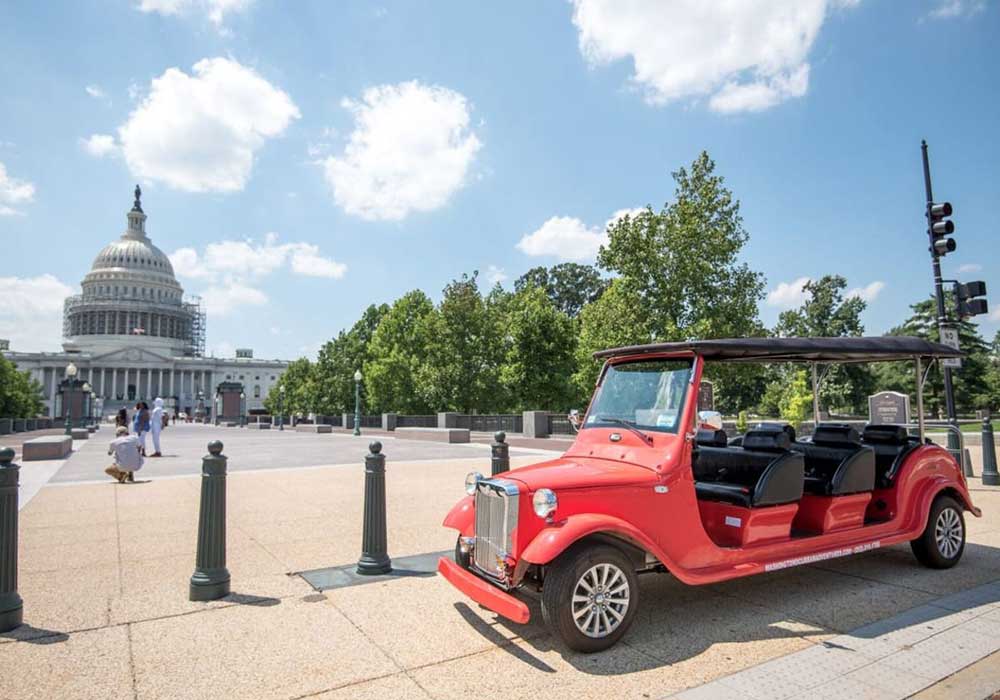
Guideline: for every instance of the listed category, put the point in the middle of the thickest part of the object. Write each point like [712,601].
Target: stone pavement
[105,570]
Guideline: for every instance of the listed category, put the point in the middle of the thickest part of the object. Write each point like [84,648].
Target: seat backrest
[781,426]
[769,439]
[711,438]
[838,435]
[891,444]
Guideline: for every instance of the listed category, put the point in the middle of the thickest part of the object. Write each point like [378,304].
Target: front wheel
[943,540]
[589,597]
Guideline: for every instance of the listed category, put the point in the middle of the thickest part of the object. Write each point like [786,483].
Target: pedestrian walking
[140,424]
[156,425]
[128,460]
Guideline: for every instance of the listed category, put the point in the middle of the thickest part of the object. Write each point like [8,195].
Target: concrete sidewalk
[105,570]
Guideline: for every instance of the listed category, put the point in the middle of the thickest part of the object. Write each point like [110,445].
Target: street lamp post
[218,407]
[243,409]
[68,396]
[281,407]
[357,402]
[85,410]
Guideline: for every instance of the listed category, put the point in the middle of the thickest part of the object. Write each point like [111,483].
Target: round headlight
[544,502]
[471,480]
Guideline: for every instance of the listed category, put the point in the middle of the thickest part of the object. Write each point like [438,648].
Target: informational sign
[706,396]
[889,407]
[949,337]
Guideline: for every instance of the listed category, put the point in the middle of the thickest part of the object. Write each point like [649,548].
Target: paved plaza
[104,572]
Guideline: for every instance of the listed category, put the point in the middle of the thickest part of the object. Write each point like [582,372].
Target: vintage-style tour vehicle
[653,485]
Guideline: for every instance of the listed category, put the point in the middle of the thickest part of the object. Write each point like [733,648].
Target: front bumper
[484,593]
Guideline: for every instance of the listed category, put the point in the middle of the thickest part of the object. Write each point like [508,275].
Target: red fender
[462,517]
[553,540]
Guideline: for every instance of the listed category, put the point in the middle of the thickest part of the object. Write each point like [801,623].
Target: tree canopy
[20,395]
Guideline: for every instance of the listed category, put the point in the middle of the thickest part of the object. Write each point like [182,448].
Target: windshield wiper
[628,424]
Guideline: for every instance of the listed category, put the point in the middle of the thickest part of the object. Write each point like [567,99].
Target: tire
[461,559]
[597,566]
[943,541]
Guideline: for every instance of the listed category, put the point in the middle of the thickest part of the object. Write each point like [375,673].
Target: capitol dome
[131,290]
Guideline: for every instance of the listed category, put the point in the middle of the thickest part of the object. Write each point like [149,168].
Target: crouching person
[128,459]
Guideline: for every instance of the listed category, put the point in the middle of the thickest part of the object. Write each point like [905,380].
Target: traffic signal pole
[942,319]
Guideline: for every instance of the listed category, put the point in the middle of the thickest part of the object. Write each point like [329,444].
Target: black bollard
[11,605]
[990,475]
[374,558]
[211,577]
[501,454]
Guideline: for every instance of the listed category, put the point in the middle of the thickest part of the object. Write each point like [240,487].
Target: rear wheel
[590,596]
[943,541]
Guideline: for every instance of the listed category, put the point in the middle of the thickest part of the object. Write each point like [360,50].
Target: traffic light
[968,299]
[941,227]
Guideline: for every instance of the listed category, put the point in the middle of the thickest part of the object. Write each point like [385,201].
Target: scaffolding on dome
[198,323]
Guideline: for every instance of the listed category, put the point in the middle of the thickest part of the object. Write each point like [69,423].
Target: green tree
[796,400]
[20,395]
[971,381]
[396,352]
[570,285]
[616,319]
[300,389]
[460,372]
[539,357]
[826,313]
[340,358]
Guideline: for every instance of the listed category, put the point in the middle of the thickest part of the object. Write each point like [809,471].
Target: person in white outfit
[156,425]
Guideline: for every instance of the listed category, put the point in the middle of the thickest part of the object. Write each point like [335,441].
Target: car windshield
[647,394]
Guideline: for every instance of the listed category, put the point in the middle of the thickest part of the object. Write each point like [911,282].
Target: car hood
[580,472]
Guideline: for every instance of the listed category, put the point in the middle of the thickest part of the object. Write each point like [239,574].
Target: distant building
[134,336]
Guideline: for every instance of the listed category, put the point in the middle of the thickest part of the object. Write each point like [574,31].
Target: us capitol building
[132,335]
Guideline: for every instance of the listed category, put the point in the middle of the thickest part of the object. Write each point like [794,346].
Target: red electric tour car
[653,485]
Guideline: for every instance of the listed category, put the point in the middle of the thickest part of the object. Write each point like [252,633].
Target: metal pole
[211,577]
[357,408]
[920,399]
[374,557]
[500,461]
[66,420]
[942,319]
[815,379]
[11,605]
[281,409]
[990,475]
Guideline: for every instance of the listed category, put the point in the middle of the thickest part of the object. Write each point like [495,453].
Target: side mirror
[710,419]
[574,419]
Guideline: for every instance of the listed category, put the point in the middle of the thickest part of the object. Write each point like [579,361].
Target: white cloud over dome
[31,315]
[99,145]
[411,149]
[214,10]
[742,56]
[201,132]
[13,192]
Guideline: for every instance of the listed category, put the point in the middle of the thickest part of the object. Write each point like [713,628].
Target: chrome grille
[496,518]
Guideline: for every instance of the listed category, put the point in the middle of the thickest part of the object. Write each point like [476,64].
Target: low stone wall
[449,435]
[47,447]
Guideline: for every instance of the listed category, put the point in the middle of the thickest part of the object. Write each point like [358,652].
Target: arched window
[256,391]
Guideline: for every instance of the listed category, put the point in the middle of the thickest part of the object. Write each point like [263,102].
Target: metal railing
[560,425]
[416,421]
[507,422]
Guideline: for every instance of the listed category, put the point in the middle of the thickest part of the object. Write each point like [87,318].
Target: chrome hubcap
[600,599]
[948,533]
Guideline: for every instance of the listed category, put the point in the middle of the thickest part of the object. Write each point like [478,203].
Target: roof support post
[815,380]
[920,398]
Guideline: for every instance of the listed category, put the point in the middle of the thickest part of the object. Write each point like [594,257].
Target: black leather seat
[891,443]
[763,472]
[711,438]
[836,463]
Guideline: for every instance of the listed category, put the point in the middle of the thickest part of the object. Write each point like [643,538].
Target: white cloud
[214,10]
[96,92]
[200,132]
[222,349]
[564,237]
[231,268]
[495,275]
[969,267]
[410,150]
[788,295]
[743,56]
[13,192]
[867,293]
[947,9]
[31,313]
[99,145]
[995,315]
[568,238]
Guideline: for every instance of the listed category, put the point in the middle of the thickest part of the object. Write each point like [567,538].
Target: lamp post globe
[281,407]
[71,370]
[243,409]
[357,402]
[68,397]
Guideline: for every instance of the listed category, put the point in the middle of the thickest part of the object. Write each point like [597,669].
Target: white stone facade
[133,336]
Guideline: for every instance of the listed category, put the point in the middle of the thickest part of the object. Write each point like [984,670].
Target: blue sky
[302,160]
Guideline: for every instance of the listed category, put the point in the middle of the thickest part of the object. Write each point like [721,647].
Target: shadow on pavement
[502,642]
[249,599]
[35,635]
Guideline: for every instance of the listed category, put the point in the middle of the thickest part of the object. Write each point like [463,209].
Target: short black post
[990,475]
[11,605]
[211,577]
[501,454]
[374,557]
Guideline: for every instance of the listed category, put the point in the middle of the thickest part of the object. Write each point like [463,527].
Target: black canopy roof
[873,349]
